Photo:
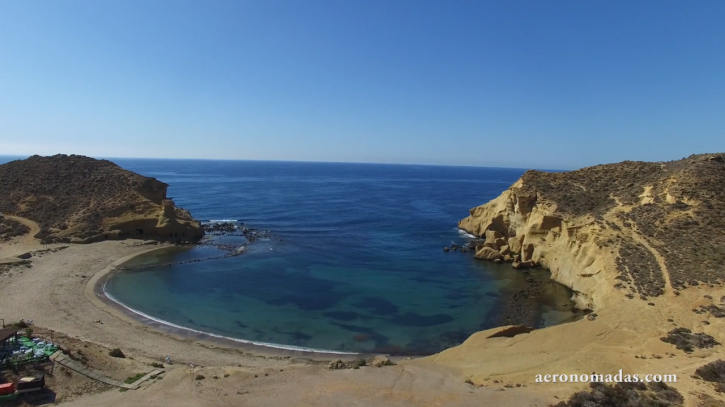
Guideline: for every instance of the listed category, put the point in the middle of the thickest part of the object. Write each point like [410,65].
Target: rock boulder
[336,365]
[514,244]
[381,361]
[527,251]
[487,253]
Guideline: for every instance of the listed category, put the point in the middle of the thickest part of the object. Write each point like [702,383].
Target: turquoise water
[355,260]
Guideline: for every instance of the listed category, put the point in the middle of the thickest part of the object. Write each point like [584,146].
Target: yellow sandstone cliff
[609,232]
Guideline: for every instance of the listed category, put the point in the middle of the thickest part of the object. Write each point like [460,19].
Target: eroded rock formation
[81,200]
[632,229]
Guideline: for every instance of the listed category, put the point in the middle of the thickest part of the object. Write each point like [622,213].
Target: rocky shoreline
[523,300]
[497,248]
[213,231]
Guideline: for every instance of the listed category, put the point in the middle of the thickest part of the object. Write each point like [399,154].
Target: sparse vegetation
[18,325]
[133,379]
[687,341]
[713,372]
[83,359]
[592,190]
[116,353]
[625,394]
[713,309]
[639,266]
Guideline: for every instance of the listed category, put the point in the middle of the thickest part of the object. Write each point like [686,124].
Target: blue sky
[537,84]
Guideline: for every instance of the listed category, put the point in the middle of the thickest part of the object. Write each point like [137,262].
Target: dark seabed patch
[459,295]
[308,302]
[377,306]
[342,315]
[453,338]
[427,346]
[355,328]
[524,300]
[417,320]
[295,336]
[380,340]
[421,279]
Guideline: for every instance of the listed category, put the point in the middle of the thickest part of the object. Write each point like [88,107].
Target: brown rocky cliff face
[81,199]
[626,230]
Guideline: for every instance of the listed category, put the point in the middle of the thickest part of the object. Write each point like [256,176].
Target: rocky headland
[632,230]
[77,199]
[642,247]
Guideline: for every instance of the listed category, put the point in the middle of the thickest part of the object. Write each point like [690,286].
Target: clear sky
[536,84]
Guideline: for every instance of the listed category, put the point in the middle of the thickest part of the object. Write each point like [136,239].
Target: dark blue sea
[354,262]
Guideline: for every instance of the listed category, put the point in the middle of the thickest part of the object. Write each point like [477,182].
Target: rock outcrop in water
[81,200]
[632,229]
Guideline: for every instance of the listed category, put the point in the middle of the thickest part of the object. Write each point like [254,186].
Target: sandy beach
[58,294]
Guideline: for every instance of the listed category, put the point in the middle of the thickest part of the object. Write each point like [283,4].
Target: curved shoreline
[95,292]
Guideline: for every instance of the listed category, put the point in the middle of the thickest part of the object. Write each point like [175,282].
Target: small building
[31,384]
[5,336]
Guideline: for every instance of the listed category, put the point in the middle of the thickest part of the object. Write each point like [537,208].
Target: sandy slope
[312,386]
[624,336]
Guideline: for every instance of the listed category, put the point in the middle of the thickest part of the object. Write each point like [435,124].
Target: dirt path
[638,237]
[21,244]
[64,360]
[28,238]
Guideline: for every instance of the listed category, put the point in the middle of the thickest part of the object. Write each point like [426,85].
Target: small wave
[223,220]
[245,341]
[466,234]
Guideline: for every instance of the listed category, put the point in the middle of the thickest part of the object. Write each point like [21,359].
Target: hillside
[632,229]
[80,199]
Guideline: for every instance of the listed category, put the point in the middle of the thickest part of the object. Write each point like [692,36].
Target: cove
[354,261]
